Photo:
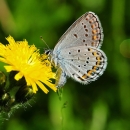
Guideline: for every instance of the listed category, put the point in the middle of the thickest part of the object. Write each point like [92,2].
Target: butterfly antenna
[44,42]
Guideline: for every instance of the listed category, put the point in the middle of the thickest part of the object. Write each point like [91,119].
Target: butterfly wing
[85,31]
[84,64]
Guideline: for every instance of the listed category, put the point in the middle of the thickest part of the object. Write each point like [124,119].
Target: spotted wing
[85,31]
[84,64]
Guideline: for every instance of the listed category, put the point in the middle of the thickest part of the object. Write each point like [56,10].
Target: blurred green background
[101,105]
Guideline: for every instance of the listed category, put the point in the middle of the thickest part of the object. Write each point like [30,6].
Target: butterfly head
[48,52]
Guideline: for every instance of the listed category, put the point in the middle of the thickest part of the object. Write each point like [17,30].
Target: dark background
[101,105]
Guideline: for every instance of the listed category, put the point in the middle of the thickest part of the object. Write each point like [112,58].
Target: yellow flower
[24,58]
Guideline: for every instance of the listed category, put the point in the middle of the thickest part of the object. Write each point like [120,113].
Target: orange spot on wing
[94,31]
[84,76]
[95,37]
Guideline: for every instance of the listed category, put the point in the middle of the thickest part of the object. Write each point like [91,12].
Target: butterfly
[77,53]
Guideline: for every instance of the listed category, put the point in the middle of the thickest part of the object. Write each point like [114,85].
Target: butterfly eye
[47,52]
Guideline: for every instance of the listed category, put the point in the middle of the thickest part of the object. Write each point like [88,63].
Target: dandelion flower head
[27,61]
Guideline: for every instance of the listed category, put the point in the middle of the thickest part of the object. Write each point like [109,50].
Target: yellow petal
[18,76]
[9,68]
[42,87]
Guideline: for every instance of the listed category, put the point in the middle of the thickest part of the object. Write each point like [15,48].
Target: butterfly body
[77,53]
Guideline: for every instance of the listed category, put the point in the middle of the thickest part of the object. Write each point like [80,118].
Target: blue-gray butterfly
[77,53]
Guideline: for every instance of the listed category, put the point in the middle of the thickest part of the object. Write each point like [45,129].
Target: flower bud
[24,94]
[4,98]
